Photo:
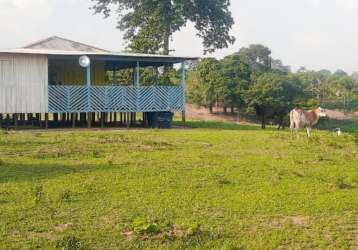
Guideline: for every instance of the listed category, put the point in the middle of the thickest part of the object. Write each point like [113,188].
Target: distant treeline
[252,81]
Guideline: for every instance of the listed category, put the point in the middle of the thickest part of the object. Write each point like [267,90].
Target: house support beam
[16,121]
[88,83]
[183,84]
[46,120]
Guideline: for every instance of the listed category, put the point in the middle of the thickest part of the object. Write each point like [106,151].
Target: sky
[317,34]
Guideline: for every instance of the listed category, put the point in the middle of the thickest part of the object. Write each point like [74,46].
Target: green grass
[218,186]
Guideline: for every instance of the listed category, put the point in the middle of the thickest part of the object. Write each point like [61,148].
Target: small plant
[66,196]
[70,242]
[341,184]
[38,193]
[143,227]
[96,154]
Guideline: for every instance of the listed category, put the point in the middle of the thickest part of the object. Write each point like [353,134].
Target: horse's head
[322,112]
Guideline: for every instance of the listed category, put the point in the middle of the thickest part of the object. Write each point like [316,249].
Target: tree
[149,24]
[340,73]
[236,80]
[277,66]
[258,57]
[324,73]
[210,83]
[273,95]
[355,75]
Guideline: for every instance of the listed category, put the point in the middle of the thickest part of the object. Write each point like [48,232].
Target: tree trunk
[232,109]
[210,109]
[225,110]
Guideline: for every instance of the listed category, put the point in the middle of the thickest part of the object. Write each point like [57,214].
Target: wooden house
[45,79]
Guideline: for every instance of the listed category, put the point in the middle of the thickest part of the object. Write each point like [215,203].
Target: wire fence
[341,104]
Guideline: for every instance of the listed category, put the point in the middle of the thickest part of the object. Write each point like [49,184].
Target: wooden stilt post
[102,119]
[32,120]
[38,119]
[7,121]
[143,119]
[128,120]
[183,117]
[89,119]
[88,83]
[55,118]
[183,84]
[93,117]
[46,121]
[73,118]
[16,121]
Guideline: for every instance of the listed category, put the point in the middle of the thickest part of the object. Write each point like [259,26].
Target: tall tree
[210,83]
[257,56]
[237,80]
[273,95]
[150,24]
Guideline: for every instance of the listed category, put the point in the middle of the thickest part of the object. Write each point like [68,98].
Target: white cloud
[347,5]
[23,4]
[315,3]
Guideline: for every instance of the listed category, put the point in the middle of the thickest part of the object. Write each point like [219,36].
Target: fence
[115,99]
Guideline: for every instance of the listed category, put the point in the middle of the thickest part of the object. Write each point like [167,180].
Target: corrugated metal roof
[57,46]
[59,43]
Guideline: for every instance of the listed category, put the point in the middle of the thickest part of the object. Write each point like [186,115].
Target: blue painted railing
[115,99]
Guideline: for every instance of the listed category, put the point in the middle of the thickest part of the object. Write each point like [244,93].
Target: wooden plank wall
[23,83]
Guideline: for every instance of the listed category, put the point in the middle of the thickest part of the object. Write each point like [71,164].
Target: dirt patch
[295,221]
[62,227]
[339,115]
[43,235]
[199,113]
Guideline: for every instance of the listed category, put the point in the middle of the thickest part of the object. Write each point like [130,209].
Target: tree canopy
[250,80]
[149,24]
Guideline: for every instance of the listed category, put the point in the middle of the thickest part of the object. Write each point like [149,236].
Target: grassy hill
[212,186]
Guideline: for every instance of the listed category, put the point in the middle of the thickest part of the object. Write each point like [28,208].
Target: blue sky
[313,33]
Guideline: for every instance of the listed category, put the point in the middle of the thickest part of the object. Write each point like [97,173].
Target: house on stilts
[59,82]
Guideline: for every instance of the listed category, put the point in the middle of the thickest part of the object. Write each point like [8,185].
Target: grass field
[211,186]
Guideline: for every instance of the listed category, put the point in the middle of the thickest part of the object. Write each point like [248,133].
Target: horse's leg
[292,127]
[308,131]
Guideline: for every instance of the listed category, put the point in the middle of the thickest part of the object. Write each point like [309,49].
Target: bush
[70,242]
[143,227]
[65,196]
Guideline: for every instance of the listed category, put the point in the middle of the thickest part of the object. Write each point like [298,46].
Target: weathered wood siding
[23,83]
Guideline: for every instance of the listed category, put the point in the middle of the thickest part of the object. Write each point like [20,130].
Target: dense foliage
[149,24]
[252,81]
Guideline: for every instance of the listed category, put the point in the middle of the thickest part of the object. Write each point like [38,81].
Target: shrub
[70,242]
[143,227]
[66,196]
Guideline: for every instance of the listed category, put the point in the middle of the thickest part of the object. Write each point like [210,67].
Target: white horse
[305,119]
